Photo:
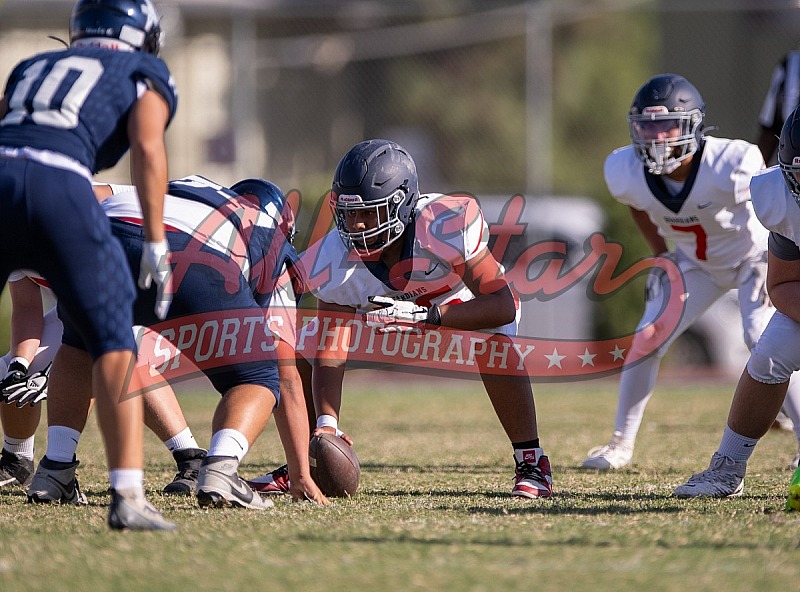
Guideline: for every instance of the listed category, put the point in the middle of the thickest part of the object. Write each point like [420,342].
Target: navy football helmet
[662,104]
[272,201]
[134,22]
[376,178]
[789,152]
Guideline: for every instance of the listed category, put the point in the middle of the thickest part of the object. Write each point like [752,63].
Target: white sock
[126,479]
[228,442]
[738,447]
[62,443]
[181,441]
[22,447]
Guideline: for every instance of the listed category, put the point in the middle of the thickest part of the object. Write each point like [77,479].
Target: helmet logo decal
[349,199]
[655,109]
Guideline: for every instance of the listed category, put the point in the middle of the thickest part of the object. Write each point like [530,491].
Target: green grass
[433,511]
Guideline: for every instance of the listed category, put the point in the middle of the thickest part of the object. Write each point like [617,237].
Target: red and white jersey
[775,205]
[715,226]
[448,231]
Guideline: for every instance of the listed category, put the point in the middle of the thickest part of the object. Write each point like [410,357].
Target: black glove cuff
[434,316]
[17,365]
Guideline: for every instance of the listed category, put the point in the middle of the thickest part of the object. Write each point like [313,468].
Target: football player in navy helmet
[368,217]
[226,254]
[132,22]
[66,115]
[666,122]
[451,279]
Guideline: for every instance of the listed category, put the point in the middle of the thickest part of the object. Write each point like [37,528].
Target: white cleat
[724,477]
[614,455]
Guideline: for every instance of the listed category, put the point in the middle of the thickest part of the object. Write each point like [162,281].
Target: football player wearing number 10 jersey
[64,116]
[693,191]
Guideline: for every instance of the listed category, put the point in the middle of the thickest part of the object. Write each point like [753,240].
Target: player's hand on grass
[304,489]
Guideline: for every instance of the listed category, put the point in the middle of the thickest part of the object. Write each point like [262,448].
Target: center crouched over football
[334,465]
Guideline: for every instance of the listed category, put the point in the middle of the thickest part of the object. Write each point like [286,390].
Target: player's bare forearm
[146,125]
[292,423]
[483,312]
[649,231]
[327,380]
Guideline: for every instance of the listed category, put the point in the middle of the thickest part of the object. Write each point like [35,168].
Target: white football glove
[155,266]
[399,315]
[17,387]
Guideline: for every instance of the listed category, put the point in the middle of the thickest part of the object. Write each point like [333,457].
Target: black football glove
[19,388]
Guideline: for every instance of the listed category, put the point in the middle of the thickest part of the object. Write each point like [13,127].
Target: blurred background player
[64,116]
[383,225]
[782,97]
[692,190]
[216,235]
[764,383]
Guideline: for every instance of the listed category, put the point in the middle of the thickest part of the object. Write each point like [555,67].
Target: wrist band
[327,421]
[434,315]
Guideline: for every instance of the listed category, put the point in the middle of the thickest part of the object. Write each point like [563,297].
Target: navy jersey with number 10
[76,101]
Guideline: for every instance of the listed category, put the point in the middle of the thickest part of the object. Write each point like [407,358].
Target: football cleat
[185,480]
[273,483]
[55,482]
[614,455]
[724,477]
[219,486]
[533,477]
[15,470]
[130,510]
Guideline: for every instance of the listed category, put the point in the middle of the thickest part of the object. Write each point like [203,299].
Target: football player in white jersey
[691,190]
[763,385]
[398,259]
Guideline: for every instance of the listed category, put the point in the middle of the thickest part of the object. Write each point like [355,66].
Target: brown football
[334,465]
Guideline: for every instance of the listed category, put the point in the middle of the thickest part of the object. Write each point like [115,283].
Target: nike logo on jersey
[703,206]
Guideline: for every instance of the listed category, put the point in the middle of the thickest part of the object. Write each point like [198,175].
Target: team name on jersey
[681,219]
[413,294]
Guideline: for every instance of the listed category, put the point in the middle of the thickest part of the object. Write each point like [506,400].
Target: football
[334,465]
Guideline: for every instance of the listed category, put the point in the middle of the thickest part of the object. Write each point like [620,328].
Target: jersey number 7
[701,239]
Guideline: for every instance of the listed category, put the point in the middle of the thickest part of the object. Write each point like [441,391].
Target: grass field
[433,511]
